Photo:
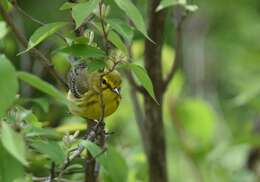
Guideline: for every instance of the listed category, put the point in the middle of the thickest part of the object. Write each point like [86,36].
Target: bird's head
[112,81]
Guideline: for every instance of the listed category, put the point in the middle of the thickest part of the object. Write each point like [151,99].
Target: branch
[178,48]
[35,52]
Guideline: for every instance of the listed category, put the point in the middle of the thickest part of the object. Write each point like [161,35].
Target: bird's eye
[104,81]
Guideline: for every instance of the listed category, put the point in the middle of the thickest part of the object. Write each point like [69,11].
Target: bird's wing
[78,80]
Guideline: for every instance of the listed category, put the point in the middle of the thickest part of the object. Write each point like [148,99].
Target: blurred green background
[211,111]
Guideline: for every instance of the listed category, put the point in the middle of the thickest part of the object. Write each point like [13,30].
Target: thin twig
[35,52]
[25,14]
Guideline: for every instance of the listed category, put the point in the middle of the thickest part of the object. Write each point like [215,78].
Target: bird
[93,95]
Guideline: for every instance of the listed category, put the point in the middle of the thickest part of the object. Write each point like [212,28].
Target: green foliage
[13,143]
[133,13]
[96,65]
[122,28]
[42,33]
[42,86]
[10,168]
[116,40]
[51,149]
[83,50]
[67,5]
[9,84]
[83,10]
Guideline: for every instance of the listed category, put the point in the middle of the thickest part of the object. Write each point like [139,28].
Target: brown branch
[35,52]
[153,121]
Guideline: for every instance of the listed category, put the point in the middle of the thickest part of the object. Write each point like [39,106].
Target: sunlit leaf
[51,149]
[166,3]
[82,10]
[143,78]
[8,88]
[42,33]
[116,40]
[110,161]
[43,86]
[133,13]
[13,143]
[83,50]
[10,167]
[121,28]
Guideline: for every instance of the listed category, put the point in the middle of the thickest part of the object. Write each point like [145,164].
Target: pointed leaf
[82,10]
[143,78]
[8,88]
[13,143]
[42,33]
[83,50]
[43,86]
[116,40]
[121,28]
[51,149]
[133,13]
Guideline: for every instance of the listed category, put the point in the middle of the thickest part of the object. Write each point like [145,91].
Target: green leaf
[133,13]
[95,65]
[110,161]
[13,143]
[116,40]
[143,78]
[82,10]
[3,29]
[10,168]
[83,50]
[8,84]
[121,28]
[43,86]
[67,5]
[51,149]
[42,33]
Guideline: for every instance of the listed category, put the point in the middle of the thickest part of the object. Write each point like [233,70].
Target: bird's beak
[117,91]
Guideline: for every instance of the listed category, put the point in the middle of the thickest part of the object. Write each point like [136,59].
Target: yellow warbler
[92,93]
